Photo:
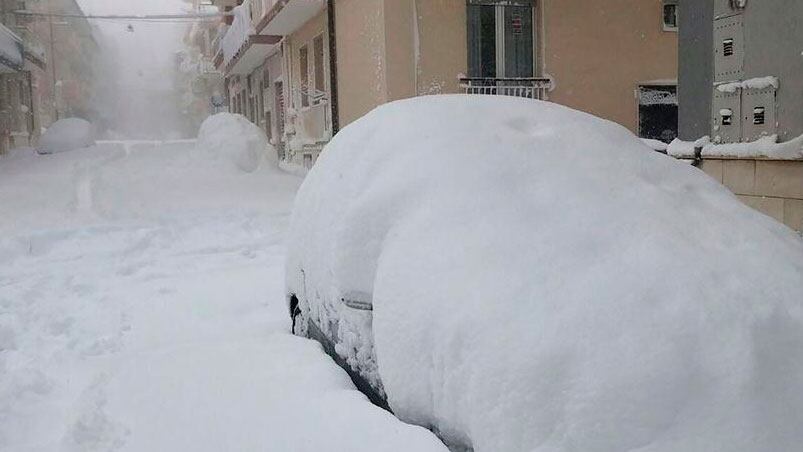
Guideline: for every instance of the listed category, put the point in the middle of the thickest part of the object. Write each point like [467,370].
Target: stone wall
[774,187]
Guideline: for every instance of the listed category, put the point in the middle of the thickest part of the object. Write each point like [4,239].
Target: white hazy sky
[145,55]
[139,104]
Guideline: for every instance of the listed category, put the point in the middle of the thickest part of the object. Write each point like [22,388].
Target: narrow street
[142,308]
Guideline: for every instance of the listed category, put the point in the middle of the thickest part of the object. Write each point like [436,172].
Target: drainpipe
[330,14]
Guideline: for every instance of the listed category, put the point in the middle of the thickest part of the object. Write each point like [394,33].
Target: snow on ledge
[656,145]
[753,83]
[238,33]
[765,147]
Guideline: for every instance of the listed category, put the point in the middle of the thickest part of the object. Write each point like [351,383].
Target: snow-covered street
[142,309]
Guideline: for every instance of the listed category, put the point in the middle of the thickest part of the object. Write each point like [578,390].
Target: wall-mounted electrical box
[758,113]
[728,49]
[726,111]
[743,115]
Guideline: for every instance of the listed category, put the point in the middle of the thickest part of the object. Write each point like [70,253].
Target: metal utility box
[758,113]
[728,49]
[726,117]
[723,8]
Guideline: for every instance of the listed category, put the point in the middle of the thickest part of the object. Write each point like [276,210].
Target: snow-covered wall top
[765,147]
[237,35]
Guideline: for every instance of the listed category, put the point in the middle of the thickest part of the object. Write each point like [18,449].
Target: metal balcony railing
[531,88]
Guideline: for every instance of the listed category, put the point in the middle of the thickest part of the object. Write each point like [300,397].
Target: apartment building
[53,79]
[303,68]
[200,82]
[275,56]
[22,69]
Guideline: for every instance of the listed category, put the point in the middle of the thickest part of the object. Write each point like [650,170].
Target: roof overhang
[252,54]
[287,16]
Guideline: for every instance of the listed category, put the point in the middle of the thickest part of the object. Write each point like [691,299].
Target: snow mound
[541,283]
[233,138]
[67,135]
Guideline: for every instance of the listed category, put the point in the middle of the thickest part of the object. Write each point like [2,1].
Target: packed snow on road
[142,309]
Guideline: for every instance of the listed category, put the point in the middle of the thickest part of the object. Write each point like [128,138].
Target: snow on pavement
[142,309]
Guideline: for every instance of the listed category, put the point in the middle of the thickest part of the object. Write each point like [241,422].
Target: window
[758,115]
[670,15]
[303,56]
[727,47]
[278,93]
[320,82]
[501,38]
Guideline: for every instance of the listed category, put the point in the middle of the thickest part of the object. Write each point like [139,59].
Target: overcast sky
[146,55]
[138,102]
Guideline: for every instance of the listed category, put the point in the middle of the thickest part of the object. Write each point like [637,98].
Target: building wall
[696,68]
[360,35]
[400,49]
[772,187]
[598,54]
[442,46]
[773,43]
[395,49]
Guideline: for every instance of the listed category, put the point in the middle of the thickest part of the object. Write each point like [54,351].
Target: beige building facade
[301,69]
[598,58]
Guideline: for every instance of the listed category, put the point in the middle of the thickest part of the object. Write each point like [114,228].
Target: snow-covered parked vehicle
[519,276]
[66,135]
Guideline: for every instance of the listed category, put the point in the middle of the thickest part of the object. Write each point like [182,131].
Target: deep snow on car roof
[541,280]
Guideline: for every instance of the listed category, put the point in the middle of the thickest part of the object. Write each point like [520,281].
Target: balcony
[11,50]
[257,26]
[243,48]
[283,17]
[34,48]
[530,88]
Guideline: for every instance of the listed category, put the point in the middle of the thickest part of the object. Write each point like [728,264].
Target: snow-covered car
[519,276]
[66,135]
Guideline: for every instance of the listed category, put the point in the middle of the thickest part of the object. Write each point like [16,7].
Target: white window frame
[664,4]
[310,45]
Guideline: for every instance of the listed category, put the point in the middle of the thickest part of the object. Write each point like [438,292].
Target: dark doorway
[658,112]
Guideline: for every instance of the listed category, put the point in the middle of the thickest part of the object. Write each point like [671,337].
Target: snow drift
[234,139]
[542,281]
[66,135]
